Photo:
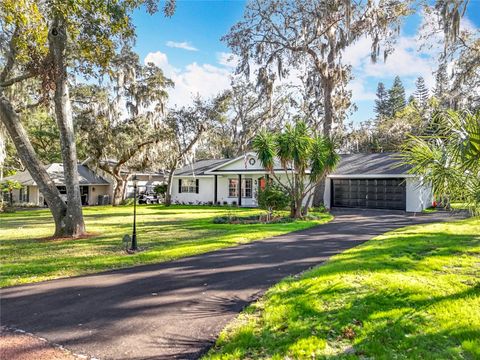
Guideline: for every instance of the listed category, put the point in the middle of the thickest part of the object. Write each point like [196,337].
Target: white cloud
[161,60]
[358,52]
[228,59]
[194,79]
[407,61]
[181,45]
[359,92]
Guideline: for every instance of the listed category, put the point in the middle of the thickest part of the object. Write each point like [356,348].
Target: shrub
[251,219]
[127,202]
[272,198]
[321,208]
[160,189]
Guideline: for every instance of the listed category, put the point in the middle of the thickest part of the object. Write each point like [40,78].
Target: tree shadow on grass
[357,319]
[108,311]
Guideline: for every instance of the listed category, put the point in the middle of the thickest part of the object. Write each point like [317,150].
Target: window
[232,187]
[24,194]
[189,186]
[247,188]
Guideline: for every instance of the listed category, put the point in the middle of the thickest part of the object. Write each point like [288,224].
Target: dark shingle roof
[370,164]
[55,170]
[350,164]
[199,167]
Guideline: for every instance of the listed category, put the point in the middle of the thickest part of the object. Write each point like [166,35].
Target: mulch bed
[21,346]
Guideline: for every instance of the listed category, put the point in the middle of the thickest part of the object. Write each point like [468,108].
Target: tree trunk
[119,190]
[319,192]
[34,166]
[168,194]
[75,225]
[307,203]
[327,107]
[298,209]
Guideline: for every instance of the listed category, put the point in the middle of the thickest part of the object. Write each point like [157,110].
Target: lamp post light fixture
[134,246]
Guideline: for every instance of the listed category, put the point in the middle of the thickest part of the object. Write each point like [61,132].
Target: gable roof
[350,164]
[371,164]
[198,168]
[55,170]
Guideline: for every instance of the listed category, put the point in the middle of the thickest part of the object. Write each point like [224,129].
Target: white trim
[62,184]
[242,172]
[370,176]
[229,162]
[193,176]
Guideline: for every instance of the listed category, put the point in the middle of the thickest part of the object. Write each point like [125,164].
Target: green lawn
[413,293]
[166,233]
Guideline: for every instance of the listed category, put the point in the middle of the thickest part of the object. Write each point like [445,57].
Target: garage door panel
[369,193]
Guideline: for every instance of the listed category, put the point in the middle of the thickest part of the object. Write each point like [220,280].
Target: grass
[413,293]
[28,256]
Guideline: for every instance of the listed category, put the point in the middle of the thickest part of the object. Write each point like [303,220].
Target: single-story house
[91,185]
[96,187]
[372,181]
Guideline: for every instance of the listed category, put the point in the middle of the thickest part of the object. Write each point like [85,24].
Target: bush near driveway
[27,255]
[413,293]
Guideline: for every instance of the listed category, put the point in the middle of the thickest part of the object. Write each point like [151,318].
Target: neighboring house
[91,185]
[96,187]
[374,181]
[146,180]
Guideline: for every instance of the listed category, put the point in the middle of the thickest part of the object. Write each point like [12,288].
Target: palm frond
[264,146]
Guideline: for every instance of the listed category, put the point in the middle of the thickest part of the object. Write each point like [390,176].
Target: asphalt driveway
[176,309]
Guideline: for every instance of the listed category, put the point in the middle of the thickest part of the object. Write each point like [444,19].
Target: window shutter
[179,186]
[197,182]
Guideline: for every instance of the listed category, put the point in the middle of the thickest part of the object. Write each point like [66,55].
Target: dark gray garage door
[369,193]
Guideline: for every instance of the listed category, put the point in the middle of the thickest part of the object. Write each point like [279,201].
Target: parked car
[149,198]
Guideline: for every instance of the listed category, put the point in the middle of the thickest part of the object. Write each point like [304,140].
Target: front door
[84,194]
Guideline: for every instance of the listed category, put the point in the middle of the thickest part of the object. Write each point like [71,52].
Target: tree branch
[16,79]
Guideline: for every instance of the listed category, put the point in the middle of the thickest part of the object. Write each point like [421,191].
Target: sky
[189,50]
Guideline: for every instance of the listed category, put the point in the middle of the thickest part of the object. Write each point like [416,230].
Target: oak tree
[296,38]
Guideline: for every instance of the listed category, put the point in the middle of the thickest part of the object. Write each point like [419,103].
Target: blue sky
[188,48]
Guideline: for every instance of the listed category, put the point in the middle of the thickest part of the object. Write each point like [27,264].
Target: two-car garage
[387,193]
[375,181]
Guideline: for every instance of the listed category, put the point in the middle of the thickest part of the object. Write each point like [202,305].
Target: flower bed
[263,219]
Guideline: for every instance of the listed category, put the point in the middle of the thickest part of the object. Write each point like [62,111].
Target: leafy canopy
[449,158]
[297,160]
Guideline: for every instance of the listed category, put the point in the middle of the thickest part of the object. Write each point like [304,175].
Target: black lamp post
[134,235]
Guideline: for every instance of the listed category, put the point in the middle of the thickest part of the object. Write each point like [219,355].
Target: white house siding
[419,197]
[205,191]
[222,192]
[34,195]
[95,190]
[326,195]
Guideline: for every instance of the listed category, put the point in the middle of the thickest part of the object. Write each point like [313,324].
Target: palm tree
[304,161]
[449,157]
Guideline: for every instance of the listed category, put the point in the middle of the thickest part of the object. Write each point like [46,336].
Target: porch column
[215,189]
[239,189]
